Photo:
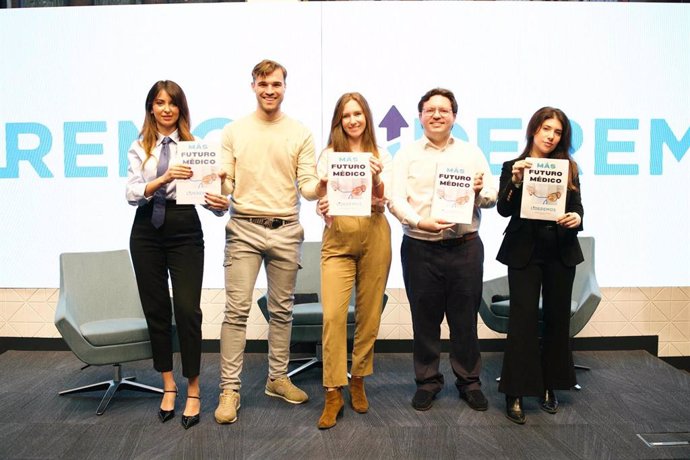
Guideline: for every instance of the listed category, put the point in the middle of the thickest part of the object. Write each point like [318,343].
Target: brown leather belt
[268,222]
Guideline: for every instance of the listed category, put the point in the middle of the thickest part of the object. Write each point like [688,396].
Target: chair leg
[315,361]
[112,386]
[128,383]
[312,362]
[85,388]
[581,368]
[302,360]
[110,392]
[124,384]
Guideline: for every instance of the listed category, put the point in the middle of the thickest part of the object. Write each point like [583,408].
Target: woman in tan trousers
[356,251]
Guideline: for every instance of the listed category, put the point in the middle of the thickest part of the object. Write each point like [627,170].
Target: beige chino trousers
[356,251]
[247,246]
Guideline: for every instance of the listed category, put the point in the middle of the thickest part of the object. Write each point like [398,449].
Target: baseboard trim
[649,343]
[679,362]
[32,344]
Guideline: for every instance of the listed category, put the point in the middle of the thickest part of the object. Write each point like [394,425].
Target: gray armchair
[495,305]
[307,313]
[99,316]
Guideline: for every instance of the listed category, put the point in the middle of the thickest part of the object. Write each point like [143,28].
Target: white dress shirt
[140,174]
[414,174]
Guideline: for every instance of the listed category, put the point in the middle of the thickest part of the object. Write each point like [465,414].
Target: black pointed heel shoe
[165,415]
[550,402]
[189,421]
[514,410]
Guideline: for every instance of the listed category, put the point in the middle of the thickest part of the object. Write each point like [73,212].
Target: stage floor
[625,393]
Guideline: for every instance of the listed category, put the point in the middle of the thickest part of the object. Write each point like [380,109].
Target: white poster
[453,193]
[545,185]
[204,159]
[349,184]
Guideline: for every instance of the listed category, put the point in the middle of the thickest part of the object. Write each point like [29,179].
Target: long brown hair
[337,139]
[149,132]
[562,150]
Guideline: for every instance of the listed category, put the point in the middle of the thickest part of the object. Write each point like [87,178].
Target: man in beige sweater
[269,160]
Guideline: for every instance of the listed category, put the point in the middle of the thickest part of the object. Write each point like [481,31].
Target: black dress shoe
[514,409]
[550,402]
[189,421]
[423,399]
[475,399]
[165,415]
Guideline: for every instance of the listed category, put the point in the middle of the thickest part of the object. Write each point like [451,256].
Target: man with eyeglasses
[442,261]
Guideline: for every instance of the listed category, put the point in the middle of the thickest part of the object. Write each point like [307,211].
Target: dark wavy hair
[562,150]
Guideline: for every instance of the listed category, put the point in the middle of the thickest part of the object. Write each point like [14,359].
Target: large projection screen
[73,84]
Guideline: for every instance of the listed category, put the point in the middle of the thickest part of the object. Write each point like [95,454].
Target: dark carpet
[625,393]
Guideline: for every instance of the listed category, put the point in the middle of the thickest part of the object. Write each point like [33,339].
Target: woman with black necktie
[541,257]
[167,238]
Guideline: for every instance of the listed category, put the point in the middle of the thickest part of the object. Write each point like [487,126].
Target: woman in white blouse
[167,239]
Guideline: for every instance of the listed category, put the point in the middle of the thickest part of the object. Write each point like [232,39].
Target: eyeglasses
[431,111]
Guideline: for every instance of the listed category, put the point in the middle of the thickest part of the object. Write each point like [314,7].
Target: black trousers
[531,367]
[444,280]
[177,247]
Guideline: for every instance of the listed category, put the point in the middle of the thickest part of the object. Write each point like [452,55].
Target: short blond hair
[267,67]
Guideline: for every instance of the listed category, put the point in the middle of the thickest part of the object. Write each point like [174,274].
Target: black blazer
[519,236]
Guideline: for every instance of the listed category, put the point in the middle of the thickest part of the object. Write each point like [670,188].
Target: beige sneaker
[228,404]
[284,388]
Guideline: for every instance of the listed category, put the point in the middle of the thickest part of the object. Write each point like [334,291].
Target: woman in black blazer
[541,257]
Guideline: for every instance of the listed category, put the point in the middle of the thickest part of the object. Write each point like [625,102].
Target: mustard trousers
[356,251]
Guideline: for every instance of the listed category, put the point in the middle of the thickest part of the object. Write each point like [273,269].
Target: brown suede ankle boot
[332,409]
[358,397]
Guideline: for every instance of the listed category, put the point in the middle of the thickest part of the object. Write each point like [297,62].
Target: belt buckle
[263,221]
